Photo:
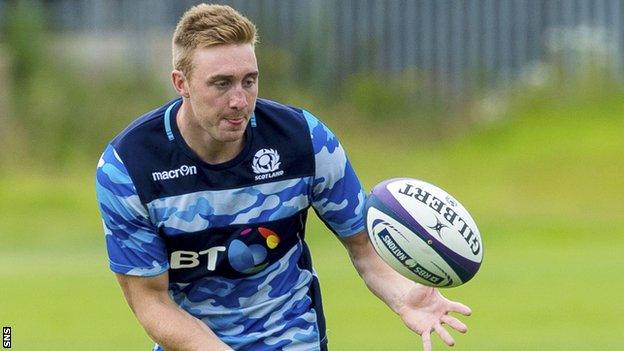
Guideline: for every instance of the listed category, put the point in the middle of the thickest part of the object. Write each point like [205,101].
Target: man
[204,202]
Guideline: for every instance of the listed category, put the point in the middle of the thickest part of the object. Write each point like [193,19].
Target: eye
[249,82]
[222,84]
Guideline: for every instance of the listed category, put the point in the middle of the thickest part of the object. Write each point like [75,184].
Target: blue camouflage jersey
[231,235]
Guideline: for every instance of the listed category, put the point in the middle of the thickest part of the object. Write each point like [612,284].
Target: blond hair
[204,26]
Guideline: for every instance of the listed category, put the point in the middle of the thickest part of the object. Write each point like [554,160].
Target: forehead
[230,60]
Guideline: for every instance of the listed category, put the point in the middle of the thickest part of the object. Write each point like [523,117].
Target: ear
[180,83]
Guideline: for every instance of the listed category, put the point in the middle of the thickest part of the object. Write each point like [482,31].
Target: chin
[230,137]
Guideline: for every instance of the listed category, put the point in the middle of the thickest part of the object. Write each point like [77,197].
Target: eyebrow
[218,77]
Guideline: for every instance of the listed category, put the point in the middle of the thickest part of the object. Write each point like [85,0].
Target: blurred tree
[60,114]
[24,40]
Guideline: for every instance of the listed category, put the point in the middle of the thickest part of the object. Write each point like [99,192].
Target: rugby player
[204,203]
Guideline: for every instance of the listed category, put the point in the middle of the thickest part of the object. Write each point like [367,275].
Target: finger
[426,338]
[460,308]
[444,335]
[454,323]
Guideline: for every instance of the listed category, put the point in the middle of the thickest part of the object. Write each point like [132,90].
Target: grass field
[545,187]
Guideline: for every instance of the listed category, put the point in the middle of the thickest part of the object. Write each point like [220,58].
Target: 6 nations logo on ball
[266,163]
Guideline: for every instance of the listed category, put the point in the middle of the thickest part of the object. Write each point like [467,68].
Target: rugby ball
[423,232]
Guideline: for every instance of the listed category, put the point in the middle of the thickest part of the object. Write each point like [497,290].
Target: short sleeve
[337,195]
[133,244]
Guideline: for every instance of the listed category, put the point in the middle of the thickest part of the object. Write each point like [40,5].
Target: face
[221,91]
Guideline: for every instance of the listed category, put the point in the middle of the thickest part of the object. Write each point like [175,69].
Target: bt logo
[190,259]
[244,258]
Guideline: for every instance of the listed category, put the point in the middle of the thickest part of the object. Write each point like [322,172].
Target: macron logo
[175,173]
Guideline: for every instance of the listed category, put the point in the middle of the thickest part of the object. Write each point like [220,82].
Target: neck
[208,149]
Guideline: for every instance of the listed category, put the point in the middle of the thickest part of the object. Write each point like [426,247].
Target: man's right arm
[164,321]
[138,256]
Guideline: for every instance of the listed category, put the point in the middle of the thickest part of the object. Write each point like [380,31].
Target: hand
[423,309]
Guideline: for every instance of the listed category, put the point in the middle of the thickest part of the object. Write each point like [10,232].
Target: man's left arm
[338,198]
[423,309]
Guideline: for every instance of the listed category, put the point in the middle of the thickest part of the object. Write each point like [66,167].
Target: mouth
[235,121]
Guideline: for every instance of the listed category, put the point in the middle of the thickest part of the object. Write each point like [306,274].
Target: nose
[238,99]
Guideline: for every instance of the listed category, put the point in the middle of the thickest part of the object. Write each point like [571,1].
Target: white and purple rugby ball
[423,232]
